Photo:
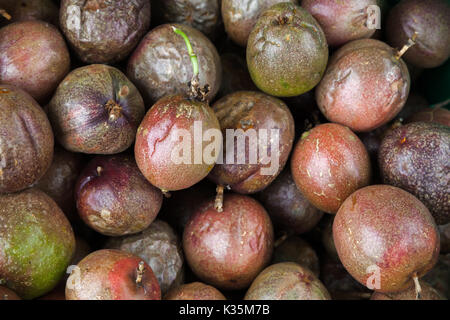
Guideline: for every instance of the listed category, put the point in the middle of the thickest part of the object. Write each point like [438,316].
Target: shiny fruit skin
[194,291]
[387,229]
[328,164]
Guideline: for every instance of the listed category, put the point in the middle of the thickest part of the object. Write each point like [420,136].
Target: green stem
[192,55]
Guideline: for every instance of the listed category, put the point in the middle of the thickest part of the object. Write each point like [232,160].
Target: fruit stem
[192,55]
[114,110]
[281,239]
[99,171]
[166,193]
[411,42]
[418,287]
[218,203]
[140,272]
[5,14]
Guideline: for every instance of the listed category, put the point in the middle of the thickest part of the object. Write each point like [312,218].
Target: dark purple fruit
[436,115]
[96,110]
[439,276]
[287,206]
[160,65]
[114,198]
[102,31]
[430,19]
[444,231]
[327,238]
[36,243]
[25,10]
[33,57]
[194,291]
[240,16]
[251,112]
[415,157]
[365,86]
[414,104]
[235,76]
[26,140]
[287,281]
[230,248]
[160,247]
[287,51]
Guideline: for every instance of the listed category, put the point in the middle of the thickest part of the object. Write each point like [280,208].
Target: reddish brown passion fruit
[104,31]
[287,281]
[96,110]
[112,275]
[385,238]
[23,46]
[162,47]
[245,168]
[24,10]
[328,164]
[436,115]
[365,86]
[114,198]
[428,293]
[26,140]
[194,291]
[165,147]
[230,248]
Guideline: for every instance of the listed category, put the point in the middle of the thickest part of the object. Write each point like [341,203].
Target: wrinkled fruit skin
[431,20]
[253,110]
[114,198]
[7,294]
[229,249]
[23,46]
[388,228]
[194,291]
[111,275]
[287,281]
[160,247]
[161,66]
[82,108]
[328,164]
[415,157]
[37,243]
[159,135]
[26,140]
[427,293]
[102,31]
[240,16]
[436,115]
[287,206]
[199,14]
[294,249]
[59,180]
[235,76]
[365,85]
[25,10]
[341,21]
[287,51]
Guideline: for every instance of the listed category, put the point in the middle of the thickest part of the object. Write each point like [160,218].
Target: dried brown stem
[411,42]
[166,193]
[281,239]
[114,110]
[140,272]
[5,14]
[99,171]
[218,203]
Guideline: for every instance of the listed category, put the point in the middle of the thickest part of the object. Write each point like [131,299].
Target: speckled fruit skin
[199,14]
[158,136]
[287,51]
[294,249]
[365,85]
[24,10]
[235,76]
[37,243]
[287,281]
[80,110]
[229,249]
[341,21]
[160,247]
[252,110]
[59,180]
[194,291]
[240,16]
[428,293]
[26,140]
[33,57]
[161,66]
[436,115]
[388,228]
[111,275]
[114,198]
[7,294]
[287,206]
[431,20]
[328,164]
[102,31]
[415,157]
